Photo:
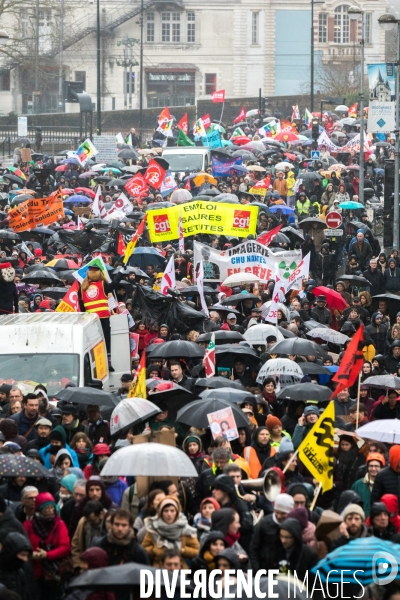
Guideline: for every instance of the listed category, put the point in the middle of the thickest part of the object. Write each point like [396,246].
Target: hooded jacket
[9,524]
[392,504]
[299,558]
[388,479]
[378,333]
[204,559]
[45,452]
[16,575]
[197,459]
[225,483]
[97,558]
[392,277]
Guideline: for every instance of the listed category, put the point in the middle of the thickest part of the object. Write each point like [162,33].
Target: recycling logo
[287,270]
[381,122]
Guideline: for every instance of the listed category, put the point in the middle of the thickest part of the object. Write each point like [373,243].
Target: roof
[43,317]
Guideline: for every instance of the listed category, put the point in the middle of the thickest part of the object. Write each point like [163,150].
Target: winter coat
[362,252]
[16,575]
[119,554]
[57,541]
[189,549]
[392,280]
[263,538]
[116,491]
[378,334]
[9,524]
[386,482]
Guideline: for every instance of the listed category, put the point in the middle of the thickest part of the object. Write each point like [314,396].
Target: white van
[55,348]
[187,158]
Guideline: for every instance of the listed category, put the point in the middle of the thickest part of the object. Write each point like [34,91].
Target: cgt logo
[241,219]
[161,224]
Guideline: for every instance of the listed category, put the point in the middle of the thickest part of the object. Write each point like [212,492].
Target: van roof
[43,317]
[186,150]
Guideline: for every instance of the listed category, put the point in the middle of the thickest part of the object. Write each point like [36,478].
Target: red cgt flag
[218,96]
[164,115]
[209,358]
[241,116]
[136,186]
[184,124]
[351,364]
[267,237]
[155,174]
[121,248]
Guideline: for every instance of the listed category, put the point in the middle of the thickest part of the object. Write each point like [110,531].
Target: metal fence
[67,134]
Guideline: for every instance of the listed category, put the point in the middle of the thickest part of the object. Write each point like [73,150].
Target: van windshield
[27,370]
[184,162]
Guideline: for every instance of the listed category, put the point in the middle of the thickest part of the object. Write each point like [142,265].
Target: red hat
[101,449]
[212,501]
[43,500]
[5,265]
[45,304]
[272,422]
[38,252]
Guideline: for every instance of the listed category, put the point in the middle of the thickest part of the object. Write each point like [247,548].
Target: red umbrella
[61,168]
[240,140]
[290,156]
[333,299]
[286,136]
[84,190]
[67,192]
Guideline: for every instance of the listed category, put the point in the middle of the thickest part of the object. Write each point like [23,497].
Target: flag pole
[290,461]
[222,111]
[316,494]
[358,397]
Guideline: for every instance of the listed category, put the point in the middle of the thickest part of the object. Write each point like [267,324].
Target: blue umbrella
[370,557]
[351,205]
[77,199]
[143,257]
[286,210]
[69,161]
[67,212]
[239,169]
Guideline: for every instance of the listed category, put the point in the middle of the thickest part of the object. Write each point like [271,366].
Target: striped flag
[307,117]
[209,358]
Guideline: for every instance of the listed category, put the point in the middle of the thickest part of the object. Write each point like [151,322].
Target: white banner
[381,117]
[248,257]
[200,287]
[168,279]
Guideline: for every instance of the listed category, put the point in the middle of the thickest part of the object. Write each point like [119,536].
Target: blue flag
[223,166]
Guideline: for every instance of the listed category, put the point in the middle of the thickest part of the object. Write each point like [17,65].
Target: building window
[5,82]
[342,27]
[170,27]
[150,27]
[211,83]
[368,28]
[322,28]
[81,76]
[127,80]
[191,27]
[254,27]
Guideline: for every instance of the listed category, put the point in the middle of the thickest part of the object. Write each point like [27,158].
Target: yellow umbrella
[201,178]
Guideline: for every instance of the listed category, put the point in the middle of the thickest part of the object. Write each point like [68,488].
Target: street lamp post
[98,70]
[389,22]
[354,12]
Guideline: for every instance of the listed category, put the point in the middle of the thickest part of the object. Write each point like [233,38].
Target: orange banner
[35,212]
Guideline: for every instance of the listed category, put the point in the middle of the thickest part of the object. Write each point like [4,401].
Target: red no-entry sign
[334,220]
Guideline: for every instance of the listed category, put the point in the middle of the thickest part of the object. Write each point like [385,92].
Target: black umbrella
[310,220]
[9,234]
[40,277]
[356,280]
[13,178]
[103,178]
[313,368]
[227,355]
[43,230]
[128,153]
[392,302]
[228,394]
[286,334]
[177,349]
[195,413]
[193,291]
[22,141]
[291,231]
[237,298]
[12,465]
[211,192]
[280,238]
[221,337]
[312,324]
[216,383]
[305,392]
[39,267]
[67,276]
[17,200]
[116,183]
[87,395]
[125,576]
[174,395]
[297,346]
[56,292]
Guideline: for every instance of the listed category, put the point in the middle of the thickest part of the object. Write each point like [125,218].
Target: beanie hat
[300,514]
[353,509]
[38,252]
[192,438]
[394,456]
[284,503]
[44,499]
[69,481]
[377,508]
[212,501]
[272,422]
[311,410]
[285,446]
[169,500]
[57,435]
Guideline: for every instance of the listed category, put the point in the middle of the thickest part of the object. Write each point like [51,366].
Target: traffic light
[263,106]
[315,128]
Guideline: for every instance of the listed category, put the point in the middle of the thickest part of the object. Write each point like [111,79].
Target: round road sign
[334,220]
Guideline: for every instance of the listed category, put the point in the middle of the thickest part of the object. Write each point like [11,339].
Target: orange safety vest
[95,299]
